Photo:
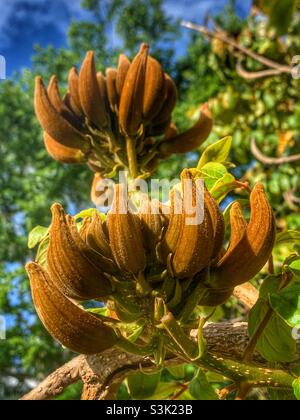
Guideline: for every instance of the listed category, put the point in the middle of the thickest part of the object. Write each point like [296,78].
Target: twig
[255,74]
[230,41]
[271,161]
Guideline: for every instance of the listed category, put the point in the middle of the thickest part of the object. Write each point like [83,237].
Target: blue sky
[26,22]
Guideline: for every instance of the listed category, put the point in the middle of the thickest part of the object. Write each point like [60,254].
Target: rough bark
[102,374]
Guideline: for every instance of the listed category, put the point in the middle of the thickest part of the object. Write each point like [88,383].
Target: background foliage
[267,109]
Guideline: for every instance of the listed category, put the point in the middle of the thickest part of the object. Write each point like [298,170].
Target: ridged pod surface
[73,327]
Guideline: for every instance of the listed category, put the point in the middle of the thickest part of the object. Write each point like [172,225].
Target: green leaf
[98,311]
[295,268]
[201,389]
[271,284]
[37,235]
[212,173]
[87,213]
[217,152]
[288,237]
[287,304]
[41,256]
[276,344]
[223,187]
[177,371]
[296,387]
[141,385]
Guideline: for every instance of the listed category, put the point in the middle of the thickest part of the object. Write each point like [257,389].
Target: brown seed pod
[172,131]
[73,327]
[244,260]
[152,225]
[131,101]
[89,93]
[192,138]
[159,129]
[215,297]
[125,235]
[74,92]
[218,224]
[154,89]
[168,104]
[169,242]
[60,106]
[63,153]
[53,123]
[72,263]
[123,67]
[84,228]
[238,225]
[196,241]
[103,90]
[96,237]
[113,97]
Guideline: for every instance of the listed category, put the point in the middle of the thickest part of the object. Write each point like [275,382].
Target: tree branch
[102,374]
[281,68]
[271,161]
[255,74]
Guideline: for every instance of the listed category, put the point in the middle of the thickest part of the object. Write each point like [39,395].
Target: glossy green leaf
[287,304]
[288,237]
[295,268]
[216,152]
[36,236]
[296,388]
[211,173]
[276,343]
[41,256]
[142,385]
[201,389]
[223,187]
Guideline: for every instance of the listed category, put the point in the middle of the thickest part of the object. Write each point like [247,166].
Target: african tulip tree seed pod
[96,237]
[152,225]
[60,106]
[75,268]
[125,234]
[73,83]
[123,67]
[192,138]
[252,250]
[154,87]
[63,153]
[89,93]
[131,102]
[113,97]
[167,245]
[72,326]
[55,124]
[218,224]
[196,241]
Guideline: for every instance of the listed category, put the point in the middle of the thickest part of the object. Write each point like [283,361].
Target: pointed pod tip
[236,206]
[144,47]
[31,267]
[57,209]
[259,187]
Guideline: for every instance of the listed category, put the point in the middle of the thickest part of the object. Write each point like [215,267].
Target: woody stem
[132,158]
